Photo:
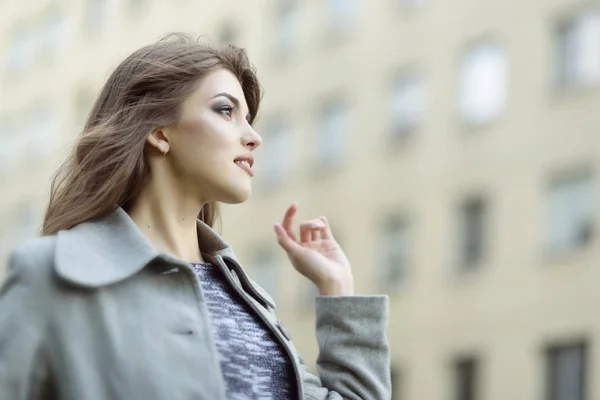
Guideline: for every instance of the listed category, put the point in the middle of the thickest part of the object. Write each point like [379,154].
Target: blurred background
[453,145]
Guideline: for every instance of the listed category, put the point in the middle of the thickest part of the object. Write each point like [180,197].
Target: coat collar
[108,250]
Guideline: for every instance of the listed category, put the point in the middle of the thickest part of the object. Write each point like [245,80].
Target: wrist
[337,287]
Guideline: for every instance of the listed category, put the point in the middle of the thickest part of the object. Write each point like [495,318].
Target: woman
[130,293]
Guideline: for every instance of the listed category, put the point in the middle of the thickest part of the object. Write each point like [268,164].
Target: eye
[225,110]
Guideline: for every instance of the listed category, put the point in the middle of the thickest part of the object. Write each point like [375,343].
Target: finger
[324,233]
[326,230]
[309,230]
[314,233]
[288,220]
[305,232]
[284,240]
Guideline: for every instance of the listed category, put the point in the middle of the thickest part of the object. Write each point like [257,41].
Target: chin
[236,196]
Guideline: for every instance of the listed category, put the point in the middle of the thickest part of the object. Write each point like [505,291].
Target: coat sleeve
[21,330]
[354,356]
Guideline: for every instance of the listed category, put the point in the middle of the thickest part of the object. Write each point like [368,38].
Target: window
[466,379]
[409,104]
[276,161]
[566,372]
[342,14]
[10,151]
[95,16]
[570,212]
[410,3]
[138,7]
[6,245]
[23,48]
[472,232]
[332,132]
[55,33]
[27,220]
[286,27]
[308,294]
[337,232]
[44,130]
[228,34]
[396,251]
[396,375]
[483,84]
[264,270]
[578,49]
[84,100]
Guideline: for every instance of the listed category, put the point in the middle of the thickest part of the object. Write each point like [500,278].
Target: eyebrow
[233,99]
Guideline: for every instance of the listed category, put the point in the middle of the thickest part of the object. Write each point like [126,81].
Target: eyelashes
[228,111]
[225,110]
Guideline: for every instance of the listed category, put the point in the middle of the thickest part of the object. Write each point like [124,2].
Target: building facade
[452,145]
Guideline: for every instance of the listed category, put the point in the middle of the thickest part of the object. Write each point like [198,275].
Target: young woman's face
[211,146]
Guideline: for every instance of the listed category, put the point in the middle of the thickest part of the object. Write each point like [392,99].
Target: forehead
[219,81]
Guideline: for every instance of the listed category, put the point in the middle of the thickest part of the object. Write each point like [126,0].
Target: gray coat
[95,313]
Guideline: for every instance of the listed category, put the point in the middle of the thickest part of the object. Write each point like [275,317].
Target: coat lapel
[111,249]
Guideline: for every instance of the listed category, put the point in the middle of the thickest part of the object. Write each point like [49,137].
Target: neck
[168,221]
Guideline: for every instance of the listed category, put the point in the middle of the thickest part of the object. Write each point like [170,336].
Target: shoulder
[37,250]
[26,285]
[32,258]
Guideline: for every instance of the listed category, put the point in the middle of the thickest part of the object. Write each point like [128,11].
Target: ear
[158,140]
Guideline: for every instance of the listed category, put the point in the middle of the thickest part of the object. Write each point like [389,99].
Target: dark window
[277,148]
[285,33]
[228,34]
[465,379]
[332,133]
[409,104]
[571,212]
[566,372]
[473,232]
[578,49]
[396,383]
[264,269]
[396,251]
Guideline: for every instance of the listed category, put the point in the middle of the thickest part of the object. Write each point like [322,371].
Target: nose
[251,139]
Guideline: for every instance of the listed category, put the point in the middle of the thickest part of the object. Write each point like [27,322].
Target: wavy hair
[108,167]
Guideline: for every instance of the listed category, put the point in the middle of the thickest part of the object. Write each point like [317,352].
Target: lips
[245,163]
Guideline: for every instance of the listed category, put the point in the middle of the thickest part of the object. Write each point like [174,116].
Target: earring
[165,152]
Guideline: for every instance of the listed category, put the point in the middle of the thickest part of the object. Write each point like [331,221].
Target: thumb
[284,240]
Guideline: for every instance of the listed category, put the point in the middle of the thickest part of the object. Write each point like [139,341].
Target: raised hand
[316,255]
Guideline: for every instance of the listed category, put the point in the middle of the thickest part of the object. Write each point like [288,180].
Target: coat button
[283,331]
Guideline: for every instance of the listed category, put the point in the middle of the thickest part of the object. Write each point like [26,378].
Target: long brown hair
[107,166]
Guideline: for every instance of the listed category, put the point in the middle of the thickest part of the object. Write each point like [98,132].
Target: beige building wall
[519,298]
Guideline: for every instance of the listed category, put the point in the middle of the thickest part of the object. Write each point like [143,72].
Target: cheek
[208,134]
[205,144]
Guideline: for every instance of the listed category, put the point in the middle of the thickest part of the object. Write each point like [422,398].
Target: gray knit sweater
[254,364]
